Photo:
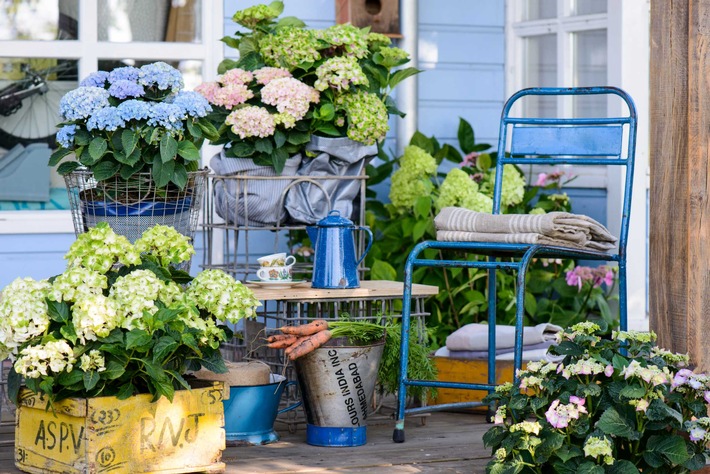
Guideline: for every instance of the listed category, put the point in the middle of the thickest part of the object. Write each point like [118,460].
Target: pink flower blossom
[208,90]
[681,377]
[231,95]
[609,370]
[541,179]
[706,396]
[289,96]
[697,434]
[470,159]
[251,121]
[267,74]
[235,77]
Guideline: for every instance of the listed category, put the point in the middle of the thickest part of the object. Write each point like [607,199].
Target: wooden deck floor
[446,443]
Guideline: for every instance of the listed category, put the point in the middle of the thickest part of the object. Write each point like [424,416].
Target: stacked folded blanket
[471,342]
[455,224]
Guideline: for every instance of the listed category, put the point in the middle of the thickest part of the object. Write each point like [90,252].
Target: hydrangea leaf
[612,423]
[91,378]
[168,148]
[670,447]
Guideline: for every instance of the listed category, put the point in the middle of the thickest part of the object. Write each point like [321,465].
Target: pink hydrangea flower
[235,77]
[706,396]
[289,96]
[231,95]
[609,370]
[697,434]
[208,90]
[541,179]
[470,159]
[251,121]
[267,74]
[681,377]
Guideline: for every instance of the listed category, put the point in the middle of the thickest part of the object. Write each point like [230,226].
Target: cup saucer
[276,284]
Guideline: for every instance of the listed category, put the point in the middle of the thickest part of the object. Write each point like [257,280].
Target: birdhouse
[382,16]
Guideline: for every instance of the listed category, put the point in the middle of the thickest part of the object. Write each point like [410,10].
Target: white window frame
[88,50]
[627,25]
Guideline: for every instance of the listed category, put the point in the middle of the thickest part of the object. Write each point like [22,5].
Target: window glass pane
[540,71]
[38,19]
[538,9]
[125,21]
[30,90]
[588,7]
[191,70]
[590,69]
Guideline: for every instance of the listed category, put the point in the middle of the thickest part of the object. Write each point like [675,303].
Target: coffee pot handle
[295,405]
[369,243]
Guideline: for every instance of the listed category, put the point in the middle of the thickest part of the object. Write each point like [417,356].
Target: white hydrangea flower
[599,447]
[93,361]
[23,313]
[135,293]
[166,244]
[94,316]
[100,248]
[39,360]
[76,283]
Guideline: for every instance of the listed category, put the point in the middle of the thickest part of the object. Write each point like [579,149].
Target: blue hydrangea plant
[133,120]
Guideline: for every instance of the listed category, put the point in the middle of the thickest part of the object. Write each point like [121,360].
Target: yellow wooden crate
[104,434]
[467,371]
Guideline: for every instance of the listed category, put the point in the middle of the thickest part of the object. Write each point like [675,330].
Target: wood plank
[698,204]
[369,289]
[669,173]
[447,443]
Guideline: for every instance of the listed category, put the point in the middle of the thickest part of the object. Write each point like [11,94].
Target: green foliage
[648,412]
[399,227]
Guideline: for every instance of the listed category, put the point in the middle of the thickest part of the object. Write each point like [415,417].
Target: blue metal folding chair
[545,141]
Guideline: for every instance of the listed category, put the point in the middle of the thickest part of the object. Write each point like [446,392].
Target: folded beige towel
[554,228]
[460,236]
[474,336]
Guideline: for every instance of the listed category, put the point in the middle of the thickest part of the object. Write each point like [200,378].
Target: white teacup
[276,260]
[275,273]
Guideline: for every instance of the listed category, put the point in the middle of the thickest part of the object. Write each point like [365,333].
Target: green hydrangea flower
[350,38]
[135,293]
[456,186]
[513,188]
[599,447]
[339,73]
[94,316]
[76,283]
[289,47]
[377,41]
[392,57]
[252,16]
[100,249]
[412,179]
[166,244]
[221,295]
[367,117]
[23,313]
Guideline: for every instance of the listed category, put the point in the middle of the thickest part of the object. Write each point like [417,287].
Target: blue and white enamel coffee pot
[335,263]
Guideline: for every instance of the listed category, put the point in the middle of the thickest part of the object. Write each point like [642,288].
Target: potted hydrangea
[135,135]
[352,73]
[618,405]
[106,346]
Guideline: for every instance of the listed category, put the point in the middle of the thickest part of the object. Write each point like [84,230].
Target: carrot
[306,329]
[310,344]
[280,341]
[298,341]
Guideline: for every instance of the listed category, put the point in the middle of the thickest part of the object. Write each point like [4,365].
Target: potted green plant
[353,72]
[609,405]
[135,135]
[116,333]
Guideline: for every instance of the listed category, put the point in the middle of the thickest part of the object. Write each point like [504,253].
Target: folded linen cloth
[474,337]
[499,351]
[461,236]
[554,228]
[528,355]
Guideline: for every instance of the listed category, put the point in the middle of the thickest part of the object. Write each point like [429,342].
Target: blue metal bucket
[251,410]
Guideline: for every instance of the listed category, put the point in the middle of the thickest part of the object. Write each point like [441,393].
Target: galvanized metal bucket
[337,383]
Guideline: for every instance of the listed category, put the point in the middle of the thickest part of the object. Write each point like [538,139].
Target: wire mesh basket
[132,206]
[230,243]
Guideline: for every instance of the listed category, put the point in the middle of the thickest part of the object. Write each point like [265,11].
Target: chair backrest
[574,141]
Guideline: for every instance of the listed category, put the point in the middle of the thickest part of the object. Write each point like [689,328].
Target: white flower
[23,313]
[93,361]
[37,361]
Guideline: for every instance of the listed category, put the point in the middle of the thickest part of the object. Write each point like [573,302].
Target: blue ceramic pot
[251,410]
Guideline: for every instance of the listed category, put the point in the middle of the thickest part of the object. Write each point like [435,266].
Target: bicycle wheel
[36,121]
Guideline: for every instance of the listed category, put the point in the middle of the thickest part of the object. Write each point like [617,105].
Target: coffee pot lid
[334,219]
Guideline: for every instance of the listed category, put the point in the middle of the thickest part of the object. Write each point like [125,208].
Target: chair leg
[398,434]
[623,297]
[492,299]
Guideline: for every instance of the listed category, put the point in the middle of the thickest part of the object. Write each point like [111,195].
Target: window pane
[538,9]
[540,71]
[30,90]
[125,21]
[590,69]
[588,7]
[38,20]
